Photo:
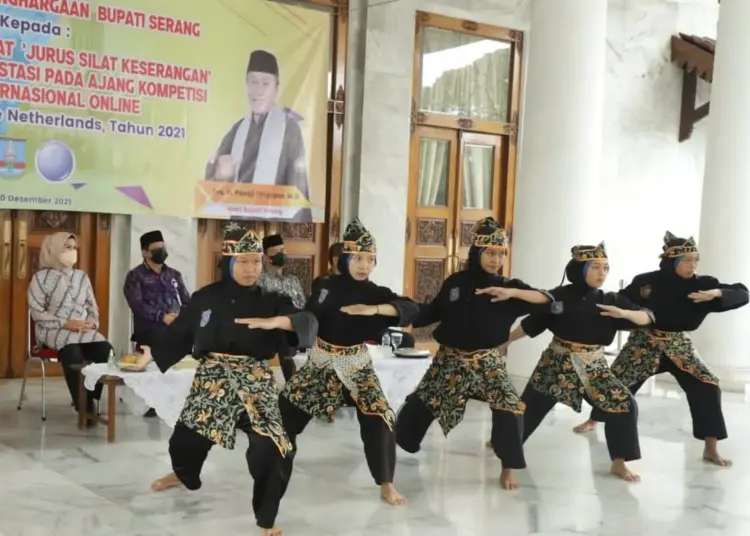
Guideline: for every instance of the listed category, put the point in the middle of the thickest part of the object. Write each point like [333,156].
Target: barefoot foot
[389,494]
[508,480]
[271,532]
[587,426]
[166,482]
[620,470]
[714,458]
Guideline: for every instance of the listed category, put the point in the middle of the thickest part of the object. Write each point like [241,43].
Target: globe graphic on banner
[55,162]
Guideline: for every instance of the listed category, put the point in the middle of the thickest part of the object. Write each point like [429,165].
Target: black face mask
[278,260]
[159,255]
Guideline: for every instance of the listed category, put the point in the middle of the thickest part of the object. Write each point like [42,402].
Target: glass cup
[396,339]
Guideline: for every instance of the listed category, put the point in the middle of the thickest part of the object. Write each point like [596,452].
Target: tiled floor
[55,480]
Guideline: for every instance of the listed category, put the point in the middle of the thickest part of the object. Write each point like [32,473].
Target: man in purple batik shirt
[154,291]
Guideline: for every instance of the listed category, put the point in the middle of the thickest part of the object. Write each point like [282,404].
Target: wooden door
[305,251]
[479,189]
[455,181]
[303,242]
[23,233]
[6,291]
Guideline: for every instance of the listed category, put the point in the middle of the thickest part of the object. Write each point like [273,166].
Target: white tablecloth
[166,392]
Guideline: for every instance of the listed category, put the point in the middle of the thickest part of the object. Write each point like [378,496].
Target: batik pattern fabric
[570,371]
[456,376]
[239,241]
[318,386]
[639,358]
[357,239]
[285,284]
[54,298]
[678,247]
[487,233]
[224,386]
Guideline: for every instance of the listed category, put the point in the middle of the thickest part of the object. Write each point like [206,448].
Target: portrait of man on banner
[266,146]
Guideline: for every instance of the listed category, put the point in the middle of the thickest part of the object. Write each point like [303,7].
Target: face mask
[69,258]
[159,256]
[278,260]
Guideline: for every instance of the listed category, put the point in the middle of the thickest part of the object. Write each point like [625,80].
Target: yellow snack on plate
[129,359]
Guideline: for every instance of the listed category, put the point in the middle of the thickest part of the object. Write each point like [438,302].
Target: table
[111,382]
[166,393]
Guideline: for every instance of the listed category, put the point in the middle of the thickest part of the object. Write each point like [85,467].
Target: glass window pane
[464,75]
[434,156]
[476,187]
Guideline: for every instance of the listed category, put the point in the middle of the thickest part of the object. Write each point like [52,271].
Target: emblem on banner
[646,291]
[454,294]
[205,317]
[323,295]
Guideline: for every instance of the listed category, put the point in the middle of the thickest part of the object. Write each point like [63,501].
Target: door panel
[432,197]
[479,189]
[23,233]
[6,290]
[304,250]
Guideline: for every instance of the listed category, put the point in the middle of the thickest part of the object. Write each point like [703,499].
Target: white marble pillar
[725,218]
[557,189]
[355,88]
[386,109]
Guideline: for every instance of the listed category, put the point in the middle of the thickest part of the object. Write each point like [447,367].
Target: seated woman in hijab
[681,300]
[234,328]
[574,368]
[475,308]
[65,314]
[351,310]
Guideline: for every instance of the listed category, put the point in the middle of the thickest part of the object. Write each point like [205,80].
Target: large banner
[202,108]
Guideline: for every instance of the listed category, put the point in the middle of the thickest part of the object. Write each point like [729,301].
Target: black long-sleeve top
[341,329]
[581,320]
[472,322]
[208,325]
[667,296]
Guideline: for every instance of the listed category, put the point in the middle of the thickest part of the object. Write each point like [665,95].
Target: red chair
[36,353]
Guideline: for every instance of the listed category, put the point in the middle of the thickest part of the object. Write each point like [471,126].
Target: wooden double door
[305,244]
[456,179]
[22,234]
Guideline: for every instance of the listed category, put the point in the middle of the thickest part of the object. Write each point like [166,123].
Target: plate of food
[411,353]
[129,363]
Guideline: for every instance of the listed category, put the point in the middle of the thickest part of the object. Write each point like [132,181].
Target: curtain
[464,75]
[467,76]
[476,190]
[433,172]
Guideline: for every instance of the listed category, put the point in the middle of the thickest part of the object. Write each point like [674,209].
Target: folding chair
[36,353]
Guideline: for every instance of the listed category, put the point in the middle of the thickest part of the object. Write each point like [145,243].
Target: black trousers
[620,429]
[378,440]
[270,470]
[78,354]
[704,400]
[288,368]
[414,419]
